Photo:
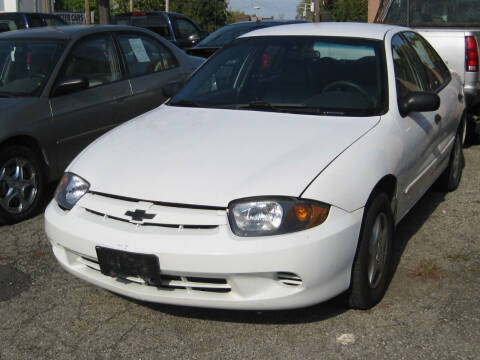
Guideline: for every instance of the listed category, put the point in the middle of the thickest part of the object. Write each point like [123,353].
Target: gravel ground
[431,309]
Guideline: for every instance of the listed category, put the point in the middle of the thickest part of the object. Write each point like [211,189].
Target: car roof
[64,32]
[265,22]
[335,29]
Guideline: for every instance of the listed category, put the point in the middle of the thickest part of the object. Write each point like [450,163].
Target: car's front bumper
[212,267]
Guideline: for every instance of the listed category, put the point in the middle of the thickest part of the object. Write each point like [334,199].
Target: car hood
[212,156]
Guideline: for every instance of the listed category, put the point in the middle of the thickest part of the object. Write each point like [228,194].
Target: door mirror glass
[419,101]
[194,37]
[70,85]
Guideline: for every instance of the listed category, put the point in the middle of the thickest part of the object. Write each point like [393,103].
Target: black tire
[367,286]
[450,178]
[26,190]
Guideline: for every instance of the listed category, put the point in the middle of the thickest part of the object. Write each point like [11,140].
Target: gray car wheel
[21,183]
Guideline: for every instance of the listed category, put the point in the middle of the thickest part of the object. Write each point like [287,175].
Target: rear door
[150,65]
[82,116]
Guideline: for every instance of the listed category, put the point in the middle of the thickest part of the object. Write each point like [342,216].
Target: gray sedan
[60,88]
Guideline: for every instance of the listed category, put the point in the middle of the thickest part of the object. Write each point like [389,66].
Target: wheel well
[388,185]
[31,143]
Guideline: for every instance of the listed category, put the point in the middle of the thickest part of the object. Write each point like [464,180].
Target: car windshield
[297,74]
[25,65]
[226,34]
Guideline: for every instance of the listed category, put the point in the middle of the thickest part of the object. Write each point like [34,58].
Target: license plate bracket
[122,264]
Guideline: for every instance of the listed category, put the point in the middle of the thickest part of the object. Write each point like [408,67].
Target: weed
[427,269]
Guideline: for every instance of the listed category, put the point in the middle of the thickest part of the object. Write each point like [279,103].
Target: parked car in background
[273,179]
[60,88]
[178,28]
[228,33]
[453,28]
[20,20]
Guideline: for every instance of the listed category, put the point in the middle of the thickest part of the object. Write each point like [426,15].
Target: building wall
[21,5]
[372,9]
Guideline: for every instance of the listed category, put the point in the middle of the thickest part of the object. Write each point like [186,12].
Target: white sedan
[273,179]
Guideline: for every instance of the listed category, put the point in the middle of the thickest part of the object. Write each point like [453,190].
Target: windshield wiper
[186,103]
[290,108]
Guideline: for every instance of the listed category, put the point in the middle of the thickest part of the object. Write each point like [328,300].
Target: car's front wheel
[21,183]
[372,264]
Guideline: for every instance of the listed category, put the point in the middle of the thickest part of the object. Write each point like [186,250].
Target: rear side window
[94,58]
[145,55]
[397,13]
[53,20]
[35,20]
[436,70]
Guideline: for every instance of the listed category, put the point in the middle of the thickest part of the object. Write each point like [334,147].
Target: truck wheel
[22,183]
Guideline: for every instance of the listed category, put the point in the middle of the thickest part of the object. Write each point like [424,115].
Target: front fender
[350,179]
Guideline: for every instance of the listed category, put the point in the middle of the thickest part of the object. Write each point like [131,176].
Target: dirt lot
[431,310]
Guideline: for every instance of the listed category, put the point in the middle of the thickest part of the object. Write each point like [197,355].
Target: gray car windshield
[25,65]
[297,74]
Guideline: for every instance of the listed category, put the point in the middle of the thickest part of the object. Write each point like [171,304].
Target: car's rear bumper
[213,268]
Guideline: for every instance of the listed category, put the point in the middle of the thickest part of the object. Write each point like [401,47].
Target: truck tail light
[471,54]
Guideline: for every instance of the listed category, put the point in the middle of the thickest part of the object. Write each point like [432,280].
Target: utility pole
[103,11]
[88,14]
[317,10]
[167,6]
[46,6]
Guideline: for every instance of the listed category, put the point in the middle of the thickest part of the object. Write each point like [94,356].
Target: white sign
[139,50]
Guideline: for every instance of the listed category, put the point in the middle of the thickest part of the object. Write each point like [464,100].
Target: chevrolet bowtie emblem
[139,215]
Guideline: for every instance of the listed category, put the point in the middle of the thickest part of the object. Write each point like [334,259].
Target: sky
[267,7]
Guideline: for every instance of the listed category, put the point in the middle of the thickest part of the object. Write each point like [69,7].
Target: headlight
[70,189]
[275,215]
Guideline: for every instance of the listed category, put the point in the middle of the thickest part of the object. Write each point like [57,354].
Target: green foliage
[232,15]
[74,5]
[209,14]
[350,10]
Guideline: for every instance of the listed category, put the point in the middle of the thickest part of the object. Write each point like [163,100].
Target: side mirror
[70,85]
[170,89]
[419,101]
[194,38]
[203,34]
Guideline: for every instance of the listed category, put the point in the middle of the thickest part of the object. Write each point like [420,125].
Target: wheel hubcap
[18,185]
[377,250]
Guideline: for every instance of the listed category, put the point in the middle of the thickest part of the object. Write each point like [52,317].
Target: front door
[82,116]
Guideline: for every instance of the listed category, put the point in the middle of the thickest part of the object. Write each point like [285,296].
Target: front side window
[185,28]
[12,21]
[297,74]
[409,75]
[25,65]
[145,55]
[94,58]
[436,70]
[53,20]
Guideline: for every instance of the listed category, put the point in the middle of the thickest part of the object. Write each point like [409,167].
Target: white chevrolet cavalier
[273,179]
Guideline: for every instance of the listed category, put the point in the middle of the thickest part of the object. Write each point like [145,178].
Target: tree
[209,14]
[350,10]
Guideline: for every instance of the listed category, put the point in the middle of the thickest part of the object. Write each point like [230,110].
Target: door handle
[460,97]
[438,118]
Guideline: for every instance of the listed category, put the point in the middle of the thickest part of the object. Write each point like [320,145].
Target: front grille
[174,226]
[172,281]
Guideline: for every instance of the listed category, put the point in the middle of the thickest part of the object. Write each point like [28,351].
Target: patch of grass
[427,269]
[459,257]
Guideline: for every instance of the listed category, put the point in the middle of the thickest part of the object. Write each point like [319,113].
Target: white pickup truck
[453,28]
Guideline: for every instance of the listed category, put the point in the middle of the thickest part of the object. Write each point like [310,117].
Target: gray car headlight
[274,215]
[70,190]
